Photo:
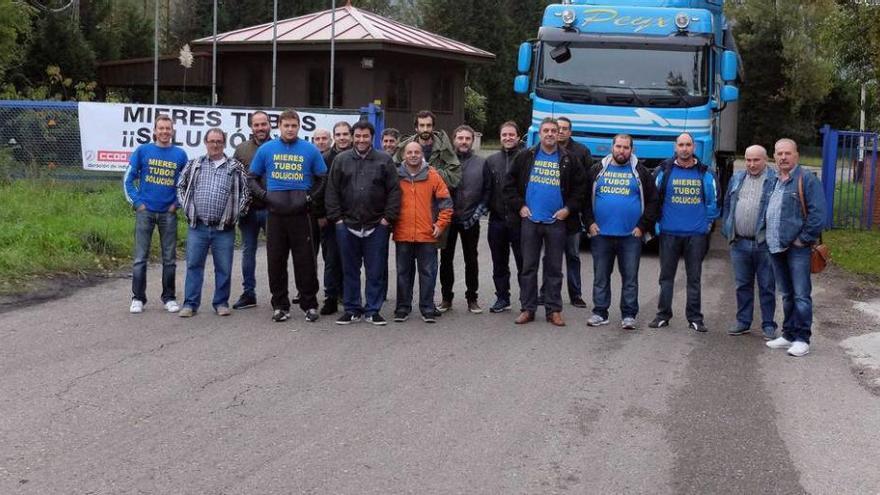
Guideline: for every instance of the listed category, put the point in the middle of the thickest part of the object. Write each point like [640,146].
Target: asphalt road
[95,400]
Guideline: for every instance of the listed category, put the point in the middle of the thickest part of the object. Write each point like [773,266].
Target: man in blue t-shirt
[688,206]
[294,172]
[150,186]
[546,187]
[620,211]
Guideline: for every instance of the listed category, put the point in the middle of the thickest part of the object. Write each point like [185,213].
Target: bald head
[413,156]
[756,159]
[684,150]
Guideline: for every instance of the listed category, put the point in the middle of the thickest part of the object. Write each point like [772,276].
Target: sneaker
[445,305]
[769,333]
[280,315]
[348,318]
[312,315]
[596,320]
[658,322]
[698,326]
[186,312]
[376,319]
[500,306]
[401,316]
[628,323]
[779,343]
[799,349]
[330,306]
[429,318]
[245,301]
[578,302]
[474,307]
[171,306]
[738,331]
[223,311]
[137,306]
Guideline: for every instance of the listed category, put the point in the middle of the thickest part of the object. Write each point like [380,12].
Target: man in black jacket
[362,201]
[471,199]
[622,206]
[547,189]
[503,233]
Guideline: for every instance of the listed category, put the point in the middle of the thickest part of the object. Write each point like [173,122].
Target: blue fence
[849,178]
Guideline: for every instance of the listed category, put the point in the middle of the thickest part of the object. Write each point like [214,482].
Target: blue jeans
[371,253]
[144,223]
[792,271]
[693,249]
[250,226]
[628,251]
[332,262]
[412,257]
[222,244]
[751,261]
[550,237]
[573,264]
[503,238]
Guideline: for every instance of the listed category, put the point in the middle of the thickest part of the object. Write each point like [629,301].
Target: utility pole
[156,55]
[274,48]
[214,61]
[332,49]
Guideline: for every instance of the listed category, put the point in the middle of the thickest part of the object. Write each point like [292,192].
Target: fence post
[873,178]
[829,171]
[375,116]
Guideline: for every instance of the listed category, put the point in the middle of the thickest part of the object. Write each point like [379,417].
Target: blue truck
[649,68]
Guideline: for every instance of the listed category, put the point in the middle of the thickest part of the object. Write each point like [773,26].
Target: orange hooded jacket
[424,202]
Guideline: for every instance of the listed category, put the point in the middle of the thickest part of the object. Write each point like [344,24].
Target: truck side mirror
[729,65]
[524,59]
[729,93]
[521,84]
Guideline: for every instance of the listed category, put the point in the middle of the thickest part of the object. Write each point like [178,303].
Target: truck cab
[649,68]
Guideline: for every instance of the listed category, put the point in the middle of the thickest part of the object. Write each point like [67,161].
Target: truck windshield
[670,76]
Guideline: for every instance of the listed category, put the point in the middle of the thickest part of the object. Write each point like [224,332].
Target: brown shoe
[524,317]
[556,319]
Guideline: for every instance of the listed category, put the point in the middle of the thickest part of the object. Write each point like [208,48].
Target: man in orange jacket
[425,212]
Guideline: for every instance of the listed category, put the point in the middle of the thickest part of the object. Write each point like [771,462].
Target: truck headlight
[567,17]
[682,21]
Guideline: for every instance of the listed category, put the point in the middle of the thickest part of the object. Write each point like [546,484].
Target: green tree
[15,26]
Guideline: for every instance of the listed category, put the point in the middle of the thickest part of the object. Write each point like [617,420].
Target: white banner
[109,132]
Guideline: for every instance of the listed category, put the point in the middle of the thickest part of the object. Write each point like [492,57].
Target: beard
[620,160]
[425,136]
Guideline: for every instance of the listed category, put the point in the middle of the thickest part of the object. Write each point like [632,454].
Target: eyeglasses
[214,141]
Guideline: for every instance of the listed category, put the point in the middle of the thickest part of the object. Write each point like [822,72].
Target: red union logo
[113,156]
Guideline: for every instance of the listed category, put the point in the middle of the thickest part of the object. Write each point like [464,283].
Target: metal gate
[849,178]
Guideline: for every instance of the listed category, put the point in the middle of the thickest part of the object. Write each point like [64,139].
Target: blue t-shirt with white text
[684,210]
[618,201]
[288,166]
[544,191]
[156,170]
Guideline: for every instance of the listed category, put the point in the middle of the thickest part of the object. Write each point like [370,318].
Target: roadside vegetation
[52,227]
[856,251]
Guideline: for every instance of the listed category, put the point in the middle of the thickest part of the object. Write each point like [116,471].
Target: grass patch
[856,251]
[77,227]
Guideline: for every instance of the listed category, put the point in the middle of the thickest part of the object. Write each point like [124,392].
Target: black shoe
[401,316]
[376,319]
[312,315]
[245,302]
[658,322]
[738,331]
[280,315]
[429,317]
[348,318]
[500,306]
[330,307]
[698,326]
[578,302]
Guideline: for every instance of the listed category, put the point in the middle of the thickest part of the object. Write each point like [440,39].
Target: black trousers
[291,234]
[469,240]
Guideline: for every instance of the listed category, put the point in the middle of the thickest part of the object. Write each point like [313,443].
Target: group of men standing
[428,192]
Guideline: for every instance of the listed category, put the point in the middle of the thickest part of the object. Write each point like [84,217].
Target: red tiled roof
[353,25]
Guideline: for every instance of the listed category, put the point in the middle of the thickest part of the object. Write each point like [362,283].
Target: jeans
[250,226]
[371,253]
[412,256]
[792,271]
[291,235]
[573,264]
[144,223]
[222,244]
[752,261]
[503,238]
[693,249]
[628,251]
[332,262]
[552,238]
[470,238]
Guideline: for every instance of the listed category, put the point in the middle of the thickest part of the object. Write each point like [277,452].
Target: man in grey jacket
[471,200]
